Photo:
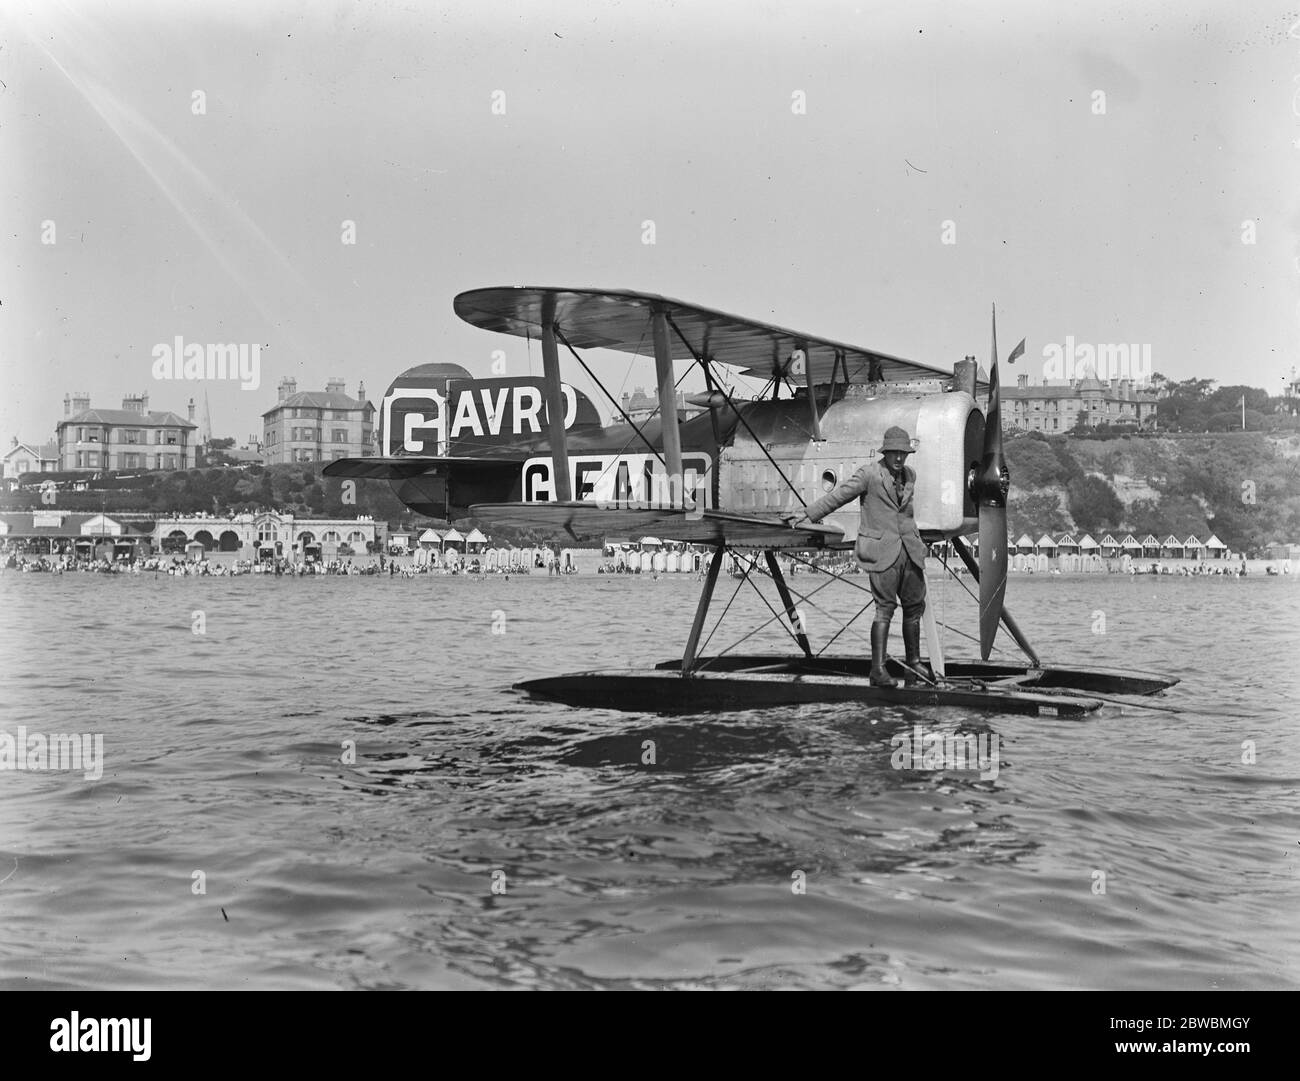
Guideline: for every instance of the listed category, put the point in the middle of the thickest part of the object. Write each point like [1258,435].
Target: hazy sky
[226,225]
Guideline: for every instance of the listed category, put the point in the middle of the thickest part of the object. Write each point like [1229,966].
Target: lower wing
[573,520]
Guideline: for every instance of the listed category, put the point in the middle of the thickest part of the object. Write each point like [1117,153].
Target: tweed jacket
[886,524]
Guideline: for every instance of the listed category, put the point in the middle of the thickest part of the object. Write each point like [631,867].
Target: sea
[329,783]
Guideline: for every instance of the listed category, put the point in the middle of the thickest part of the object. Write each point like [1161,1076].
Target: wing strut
[812,396]
[667,401]
[711,580]
[796,620]
[555,404]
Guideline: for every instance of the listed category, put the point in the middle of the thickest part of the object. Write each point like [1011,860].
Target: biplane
[531,454]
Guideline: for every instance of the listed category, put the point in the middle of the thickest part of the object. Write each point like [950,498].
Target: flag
[1016,352]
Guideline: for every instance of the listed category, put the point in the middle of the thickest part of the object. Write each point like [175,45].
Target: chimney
[136,403]
[13,441]
[191,409]
[334,386]
[144,403]
[67,405]
[288,387]
[361,391]
[1022,380]
[80,402]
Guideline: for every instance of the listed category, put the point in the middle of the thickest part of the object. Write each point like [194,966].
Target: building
[23,458]
[94,440]
[1056,405]
[266,534]
[59,532]
[318,426]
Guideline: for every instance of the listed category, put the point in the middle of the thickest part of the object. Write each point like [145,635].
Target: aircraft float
[531,453]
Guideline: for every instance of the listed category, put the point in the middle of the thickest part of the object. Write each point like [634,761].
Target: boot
[879,639]
[912,648]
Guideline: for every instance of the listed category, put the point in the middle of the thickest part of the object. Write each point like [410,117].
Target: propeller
[988,483]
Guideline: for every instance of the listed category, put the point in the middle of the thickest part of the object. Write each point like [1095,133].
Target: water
[222,756]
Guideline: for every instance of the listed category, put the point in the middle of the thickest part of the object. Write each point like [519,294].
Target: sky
[875,173]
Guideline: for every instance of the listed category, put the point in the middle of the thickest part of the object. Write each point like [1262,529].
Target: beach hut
[1215,548]
[1088,546]
[429,538]
[1193,548]
[1171,547]
[1110,547]
[1024,546]
[475,541]
[1130,545]
[1066,545]
[1150,547]
[453,536]
[1045,546]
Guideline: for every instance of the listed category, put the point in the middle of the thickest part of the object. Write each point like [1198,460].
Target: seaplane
[532,454]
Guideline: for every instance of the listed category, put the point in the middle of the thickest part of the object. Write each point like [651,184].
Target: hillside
[1243,486]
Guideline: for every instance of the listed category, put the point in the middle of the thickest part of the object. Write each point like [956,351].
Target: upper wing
[595,319]
[573,519]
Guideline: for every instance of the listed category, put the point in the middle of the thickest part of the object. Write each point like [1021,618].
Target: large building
[318,426]
[265,533]
[93,440]
[1055,406]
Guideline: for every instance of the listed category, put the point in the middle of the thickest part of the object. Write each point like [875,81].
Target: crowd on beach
[176,566]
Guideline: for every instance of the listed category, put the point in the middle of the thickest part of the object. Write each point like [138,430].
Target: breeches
[903,583]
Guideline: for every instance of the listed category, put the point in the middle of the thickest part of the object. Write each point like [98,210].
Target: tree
[1036,513]
[1094,506]
[1032,463]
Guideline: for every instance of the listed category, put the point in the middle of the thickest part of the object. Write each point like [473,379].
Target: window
[132,436]
[92,459]
[340,435]
[133,461]
[81,435]
[341,414]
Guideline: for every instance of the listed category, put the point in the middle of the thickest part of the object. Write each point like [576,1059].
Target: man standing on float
[889,548]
